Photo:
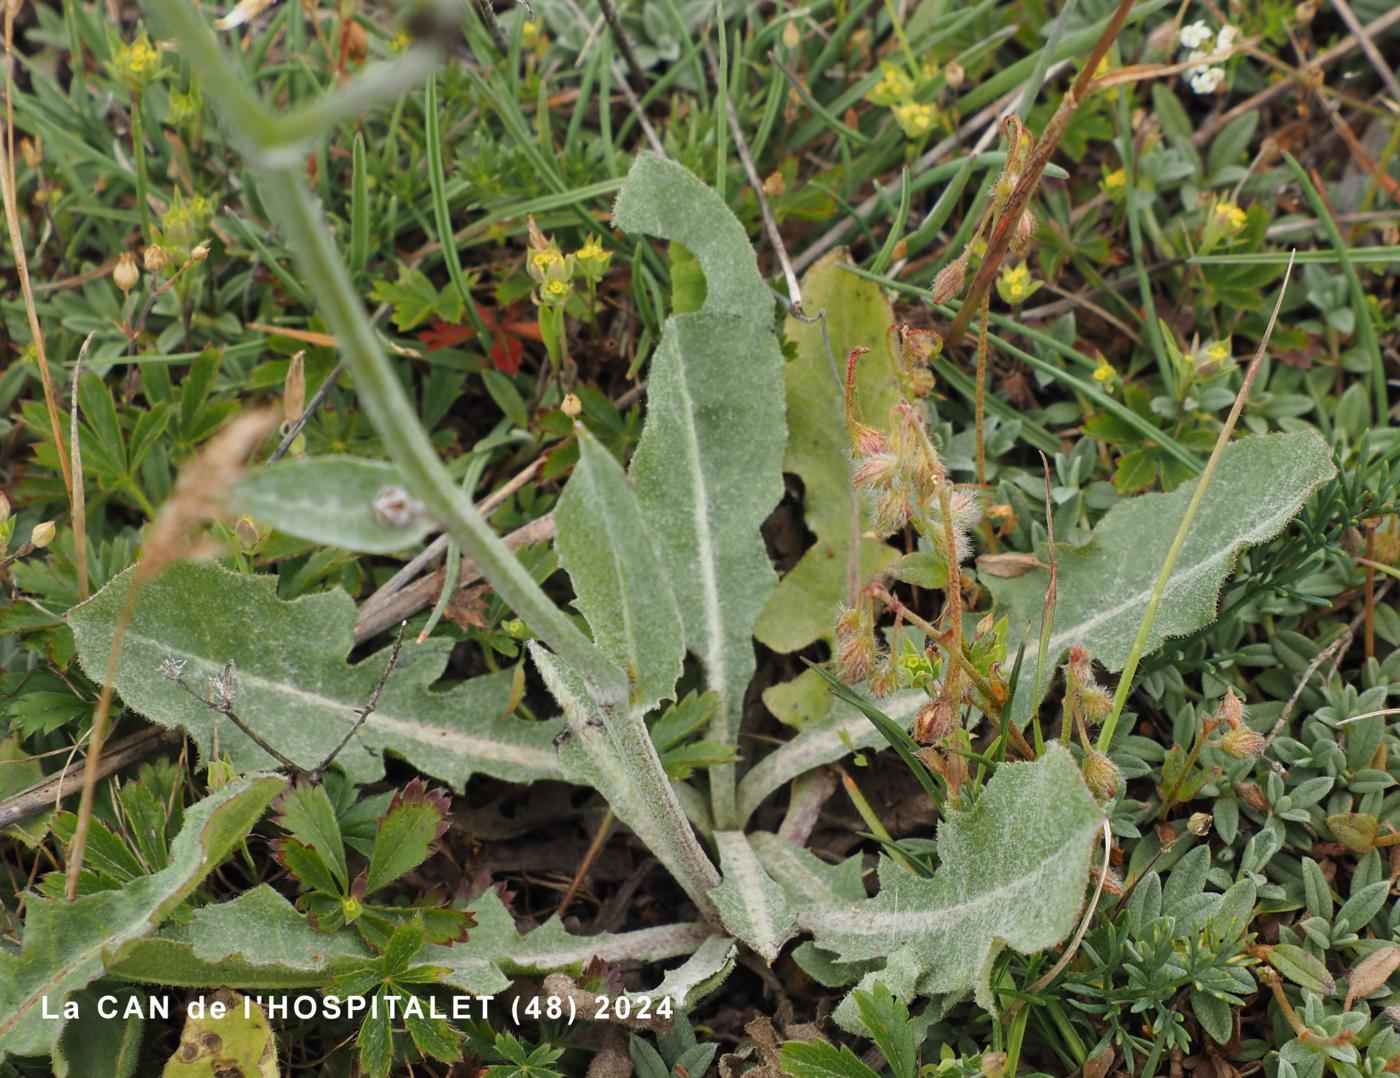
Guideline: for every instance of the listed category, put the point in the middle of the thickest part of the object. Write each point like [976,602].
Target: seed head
[1252,795]
[200,253]
[571,406]
[154,258]
[1199,824]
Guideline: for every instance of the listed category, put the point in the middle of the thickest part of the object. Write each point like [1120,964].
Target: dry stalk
[7,189]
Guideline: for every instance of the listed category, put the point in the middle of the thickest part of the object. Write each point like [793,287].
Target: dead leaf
[1008,565]
[1371,973]
[467,607]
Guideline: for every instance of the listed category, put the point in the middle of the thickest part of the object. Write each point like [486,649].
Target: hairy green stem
[283,188]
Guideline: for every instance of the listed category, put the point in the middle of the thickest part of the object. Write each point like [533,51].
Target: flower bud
[126,273]
[1025,228]
[154,258]
[935,721]
[571,406]
[355,41]
[1231,710]
[1199,824]
[876,471]
[884,679]
[43,534]
[1241,743]
[200,253]
[1100,775]
[954,74]
[4,507]
[949,281]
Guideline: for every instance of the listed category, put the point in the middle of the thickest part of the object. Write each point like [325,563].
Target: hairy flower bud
[1025,228]
[949,281]
[1231,710]
[884,679]
[1100,774]
[154,258]
[934,722]
[1241,743]
[1199,824]
[200,253]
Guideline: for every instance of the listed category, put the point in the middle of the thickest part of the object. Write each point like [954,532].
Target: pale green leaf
[1104,584]
[614,754]
[708,466]
[750,904]
[858,314]
[662,198]
[294,686]
[66,945]
[810,882]
[618,579]
[841,732]
[329,500]
[1012,873]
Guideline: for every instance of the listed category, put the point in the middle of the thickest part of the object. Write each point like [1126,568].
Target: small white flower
[1227,37]
[1195,35]
[1206,80]
[1196,55]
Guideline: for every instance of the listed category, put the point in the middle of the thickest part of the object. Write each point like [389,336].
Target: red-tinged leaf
[506,353]
[306,864]
[445,335]
[408,833]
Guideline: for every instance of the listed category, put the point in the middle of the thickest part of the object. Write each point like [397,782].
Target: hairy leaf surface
[1012,873]
[1104,584]
[294,686]
[621,586]
[858,315]
[708,466]
[66,945]
[750,904]
[330,500]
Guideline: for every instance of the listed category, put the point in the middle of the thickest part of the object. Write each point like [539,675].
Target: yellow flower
[137,63]
[556,290]
[530,32]
[894,85]
[1217,353]
[542,260]
[400,42]
[1104,374]
[1015,284]
[1230,215]
[915,119]
[1115,180]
